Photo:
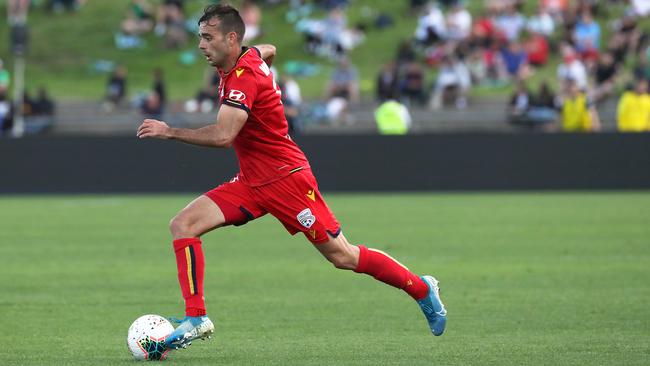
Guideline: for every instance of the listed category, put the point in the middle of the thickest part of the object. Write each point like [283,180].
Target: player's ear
[232,37]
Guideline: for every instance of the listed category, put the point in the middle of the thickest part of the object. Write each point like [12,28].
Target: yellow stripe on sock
[188,258]
[395,260]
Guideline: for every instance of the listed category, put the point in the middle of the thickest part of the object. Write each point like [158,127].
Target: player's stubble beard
[219,57]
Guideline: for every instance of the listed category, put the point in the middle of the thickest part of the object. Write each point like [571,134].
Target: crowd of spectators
[501,45]
[451,51]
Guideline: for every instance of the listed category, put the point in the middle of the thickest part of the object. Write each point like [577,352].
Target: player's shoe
[433,308]
[190,328]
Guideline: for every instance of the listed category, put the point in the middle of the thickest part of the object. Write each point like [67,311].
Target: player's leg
[230,203]
[386,269]
[298,204]
[197,218]
[373,262]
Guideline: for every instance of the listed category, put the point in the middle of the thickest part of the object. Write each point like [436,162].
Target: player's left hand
[153,128]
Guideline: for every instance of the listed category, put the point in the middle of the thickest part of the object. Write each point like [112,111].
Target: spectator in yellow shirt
[634,109]
[578,113]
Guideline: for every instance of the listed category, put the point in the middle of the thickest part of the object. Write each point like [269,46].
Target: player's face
[215,45]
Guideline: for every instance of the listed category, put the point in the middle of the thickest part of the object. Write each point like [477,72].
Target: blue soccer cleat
[190,328]
[433,308]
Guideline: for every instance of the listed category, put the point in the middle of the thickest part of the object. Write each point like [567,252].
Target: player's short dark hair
[229,19]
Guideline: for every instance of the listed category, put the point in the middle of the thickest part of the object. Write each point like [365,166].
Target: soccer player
[275,177]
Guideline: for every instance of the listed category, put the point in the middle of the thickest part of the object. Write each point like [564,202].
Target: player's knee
[180,227]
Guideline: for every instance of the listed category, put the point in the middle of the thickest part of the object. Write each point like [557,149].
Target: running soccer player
[275,177]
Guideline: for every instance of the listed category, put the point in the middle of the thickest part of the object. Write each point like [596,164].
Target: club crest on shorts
[305,218]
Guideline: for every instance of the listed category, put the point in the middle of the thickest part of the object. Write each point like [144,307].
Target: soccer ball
[146,338]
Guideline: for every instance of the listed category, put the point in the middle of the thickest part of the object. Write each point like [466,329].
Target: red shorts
[294,200]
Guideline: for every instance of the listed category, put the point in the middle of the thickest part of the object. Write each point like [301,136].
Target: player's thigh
[198,217]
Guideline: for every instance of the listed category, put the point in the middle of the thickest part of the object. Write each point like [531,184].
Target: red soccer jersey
[264,149]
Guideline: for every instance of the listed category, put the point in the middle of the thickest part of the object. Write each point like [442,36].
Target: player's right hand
[153,128]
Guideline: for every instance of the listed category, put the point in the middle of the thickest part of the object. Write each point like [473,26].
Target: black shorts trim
[248,214]
[335,234]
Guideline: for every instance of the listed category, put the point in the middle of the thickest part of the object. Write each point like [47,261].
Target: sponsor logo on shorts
[236,95]
[312,232]
[305,218]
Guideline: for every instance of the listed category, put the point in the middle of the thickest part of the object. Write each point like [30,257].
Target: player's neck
[232,60]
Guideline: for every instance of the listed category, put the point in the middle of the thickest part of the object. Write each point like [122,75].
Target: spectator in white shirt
[541,23]
[459,22]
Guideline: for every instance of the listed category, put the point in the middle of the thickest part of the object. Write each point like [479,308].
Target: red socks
[191,266]
[387,270]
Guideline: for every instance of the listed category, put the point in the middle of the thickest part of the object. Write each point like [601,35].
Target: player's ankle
[195,312]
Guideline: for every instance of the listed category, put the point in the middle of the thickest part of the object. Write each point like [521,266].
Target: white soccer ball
[146,338]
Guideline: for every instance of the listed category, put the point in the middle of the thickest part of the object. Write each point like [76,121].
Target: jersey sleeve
[241,89]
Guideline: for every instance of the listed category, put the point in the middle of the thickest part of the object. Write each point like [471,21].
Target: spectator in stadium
[541,23]
[459,22]
[642,67]
[641,7]
[572,68]
[556,8]
[252,16]
[477,67]
[453,83]
[152,106]
[43,105]
[633,114]
[586,36]
[405,53]
[116,89]
[411,84]
[159,87]
[139,19]
[342,90]
[431,25]
[344,82]
[578,113]
[519,105]
[28,104]
[515,60]
[207,97]
[543,112]
[291,100]
[387,82]
[392,117]
[537,49]
[5,78]
[605,77]
[533,111]
[17,11]
[484,30]
[511,23]
[170,24]
[6,113]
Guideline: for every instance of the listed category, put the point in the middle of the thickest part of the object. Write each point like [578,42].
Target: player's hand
[154,128]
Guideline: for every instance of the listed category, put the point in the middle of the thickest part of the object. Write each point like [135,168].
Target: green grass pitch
[528,279]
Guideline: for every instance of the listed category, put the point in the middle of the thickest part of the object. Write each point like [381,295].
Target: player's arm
[230,121]
[267,52]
